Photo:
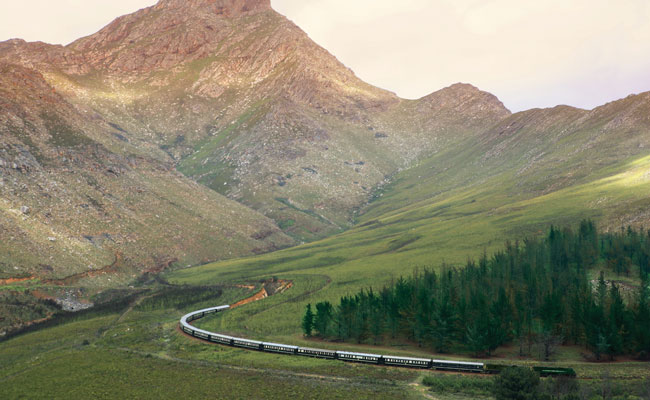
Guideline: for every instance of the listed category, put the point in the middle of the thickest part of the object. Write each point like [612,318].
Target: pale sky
[529,53]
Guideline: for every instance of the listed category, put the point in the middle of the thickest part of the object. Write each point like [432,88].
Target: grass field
[140,353]
[447,228]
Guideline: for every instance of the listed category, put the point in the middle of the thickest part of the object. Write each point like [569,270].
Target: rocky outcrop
[230,8]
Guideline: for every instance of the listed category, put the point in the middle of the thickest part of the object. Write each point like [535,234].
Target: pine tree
[602,346]
[308,321]
[642,321]
[475,339]
[323,319]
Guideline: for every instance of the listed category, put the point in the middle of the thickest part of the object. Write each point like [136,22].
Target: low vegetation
[477,386]
[520,383]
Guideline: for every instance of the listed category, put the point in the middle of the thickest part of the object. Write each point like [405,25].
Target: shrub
[516,383]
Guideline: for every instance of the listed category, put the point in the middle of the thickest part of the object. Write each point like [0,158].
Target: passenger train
[442,365]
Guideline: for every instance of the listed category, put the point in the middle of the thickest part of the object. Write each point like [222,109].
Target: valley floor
[140,353]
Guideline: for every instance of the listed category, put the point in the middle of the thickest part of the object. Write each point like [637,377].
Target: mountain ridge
[288,144]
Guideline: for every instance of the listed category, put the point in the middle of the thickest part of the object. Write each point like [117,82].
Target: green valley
[197,153]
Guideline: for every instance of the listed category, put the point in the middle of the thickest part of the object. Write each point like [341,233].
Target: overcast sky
[530,53]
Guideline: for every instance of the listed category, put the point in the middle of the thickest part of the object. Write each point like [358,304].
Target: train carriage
[222,339]
[279,348]
[359,357]
[247,344]
[201,334]
[318,353]
[445,365]
[407,362]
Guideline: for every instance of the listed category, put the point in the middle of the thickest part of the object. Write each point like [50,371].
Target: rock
[25,210]
[221,7]
[71,304]
[51,239]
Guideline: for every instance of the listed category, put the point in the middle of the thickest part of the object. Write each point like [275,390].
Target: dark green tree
[308,321]
[323,318]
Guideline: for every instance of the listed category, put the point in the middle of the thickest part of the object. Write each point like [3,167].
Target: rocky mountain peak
[465,99]
[221,7]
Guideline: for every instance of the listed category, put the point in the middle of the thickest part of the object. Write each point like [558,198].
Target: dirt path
[282,285]
[102,330]
[9,281]
[262,294]
[328,280]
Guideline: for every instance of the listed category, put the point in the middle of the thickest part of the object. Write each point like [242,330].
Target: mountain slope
[77,198]
[248,105]
[531,153]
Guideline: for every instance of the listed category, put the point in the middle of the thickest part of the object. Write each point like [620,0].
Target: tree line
[537,293]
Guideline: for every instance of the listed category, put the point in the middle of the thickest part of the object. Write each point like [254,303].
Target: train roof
[218,308]
[221,335]
[202,331]
[349,353]
[280,345]
[408,358]
[313,349]
[457,362]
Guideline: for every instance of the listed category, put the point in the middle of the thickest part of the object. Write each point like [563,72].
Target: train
[377,359]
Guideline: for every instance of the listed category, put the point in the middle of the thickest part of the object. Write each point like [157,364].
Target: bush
[517,383]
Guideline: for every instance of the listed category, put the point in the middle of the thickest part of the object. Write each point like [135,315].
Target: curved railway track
[378,359]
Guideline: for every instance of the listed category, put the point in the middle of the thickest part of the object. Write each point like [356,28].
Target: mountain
[202,130]
[242,101]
